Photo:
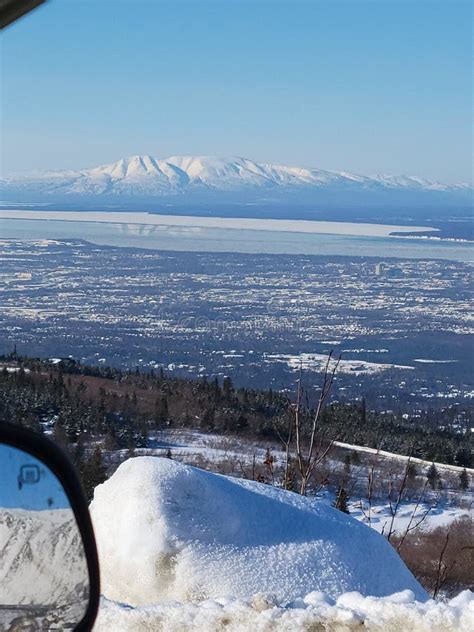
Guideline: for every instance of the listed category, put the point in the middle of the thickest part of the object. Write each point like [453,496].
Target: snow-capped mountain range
[188,180]
[43,560]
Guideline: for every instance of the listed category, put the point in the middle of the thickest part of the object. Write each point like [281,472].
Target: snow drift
[314,613]
[170,531]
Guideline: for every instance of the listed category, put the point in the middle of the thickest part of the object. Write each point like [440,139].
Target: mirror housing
[11,10]
[59,467]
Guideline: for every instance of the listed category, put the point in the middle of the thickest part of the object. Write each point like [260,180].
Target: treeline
[80,403]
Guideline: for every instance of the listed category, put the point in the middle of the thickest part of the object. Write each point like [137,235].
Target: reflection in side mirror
[45,574]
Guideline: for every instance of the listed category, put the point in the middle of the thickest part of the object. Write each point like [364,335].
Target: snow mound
[170,531]
[315,613]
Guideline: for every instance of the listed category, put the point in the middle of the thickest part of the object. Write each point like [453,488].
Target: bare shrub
[441,559]
[302,435]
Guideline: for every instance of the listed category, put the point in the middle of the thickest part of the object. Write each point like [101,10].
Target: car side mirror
[49,572]
[11,10]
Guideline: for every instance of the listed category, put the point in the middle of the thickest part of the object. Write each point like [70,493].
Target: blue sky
[29,495]
[361,86]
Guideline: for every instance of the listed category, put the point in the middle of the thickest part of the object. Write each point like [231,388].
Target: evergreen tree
[208,419]
[411,480]
[432,476]
[79,452]
[241,423]
[464,457]
[141,439]
[161,410]
[110,440]
[355,457]
[60,434]
[347,467]
[411,472]
[341,500]
[227,387]
[93,472]
[217,389]
[464,480]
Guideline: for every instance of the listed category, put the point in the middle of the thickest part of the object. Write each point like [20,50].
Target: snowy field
[408,514]
[317,361]
[400,457]
[233,456]
[184,549]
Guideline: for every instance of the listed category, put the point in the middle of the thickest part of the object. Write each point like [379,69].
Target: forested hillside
[103,415]
[78,403]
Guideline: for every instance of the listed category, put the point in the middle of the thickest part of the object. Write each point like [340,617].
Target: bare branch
[441,574]
[400,495]
[308,463]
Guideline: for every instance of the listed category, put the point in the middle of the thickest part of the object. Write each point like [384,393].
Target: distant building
[380,269]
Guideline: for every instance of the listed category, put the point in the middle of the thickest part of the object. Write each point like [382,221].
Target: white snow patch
[317,362]
[408,514]
[427,361]
[315,612]
[402,457]
[168,531]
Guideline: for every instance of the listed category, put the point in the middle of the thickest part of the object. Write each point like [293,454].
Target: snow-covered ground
[184,549]
[408,514]
[313,613]
[400,457]
[317,362]
[220,452]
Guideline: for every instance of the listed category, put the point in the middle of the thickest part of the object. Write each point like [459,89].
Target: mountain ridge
[212,181]
[201,167]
